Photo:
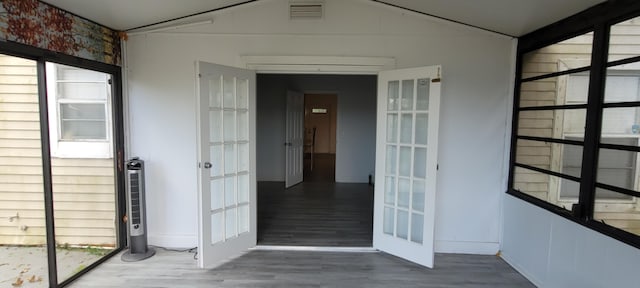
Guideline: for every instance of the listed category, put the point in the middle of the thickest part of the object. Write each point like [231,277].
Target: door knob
[207,165]
[288,144]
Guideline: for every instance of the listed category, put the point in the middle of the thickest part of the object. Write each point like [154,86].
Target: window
[576,133]
[81,101]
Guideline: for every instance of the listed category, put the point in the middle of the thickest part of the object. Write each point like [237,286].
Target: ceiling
[511,17]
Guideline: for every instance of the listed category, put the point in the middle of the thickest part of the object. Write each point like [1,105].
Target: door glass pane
[215,126]
[406,128]
[407,95]
[217,190]
[405,161]
[243,219]
[230,223]
[243,93]
[243,157]
[391,159]
[217,227]
[243,125]
[420,163]
[229,126]
[422,94]
[22,217]
[388,221]
[229,92]
[402,224]
[417,201]
[230,191]
[404,190]
[215,93]
[216,160]
[392,128]
[417,227]
[229,158]
[83,174]
[422,128]
[392,100]
[243,188]
[390,191]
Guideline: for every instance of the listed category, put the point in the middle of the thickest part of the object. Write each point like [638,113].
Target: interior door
[406,163]
[227,162]
[294,144]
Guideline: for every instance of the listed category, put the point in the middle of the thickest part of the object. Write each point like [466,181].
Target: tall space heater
[137,220]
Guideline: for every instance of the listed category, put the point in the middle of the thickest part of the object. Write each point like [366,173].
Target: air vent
[305,10]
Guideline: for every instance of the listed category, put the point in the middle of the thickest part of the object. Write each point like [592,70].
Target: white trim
[462,247]
[316,249]
[317,64]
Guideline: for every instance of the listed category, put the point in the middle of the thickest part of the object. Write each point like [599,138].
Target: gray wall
[356,128]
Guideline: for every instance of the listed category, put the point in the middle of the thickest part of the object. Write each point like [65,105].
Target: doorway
[320,111]
[333,206]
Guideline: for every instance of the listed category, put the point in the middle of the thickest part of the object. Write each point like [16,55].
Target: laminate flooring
[259,268]
[315,214]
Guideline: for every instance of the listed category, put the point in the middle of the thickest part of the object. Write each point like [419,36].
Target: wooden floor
[315,214]
[305,269]
[323,170]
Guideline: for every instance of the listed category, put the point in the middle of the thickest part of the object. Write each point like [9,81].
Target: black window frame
[597,19]
[41,56]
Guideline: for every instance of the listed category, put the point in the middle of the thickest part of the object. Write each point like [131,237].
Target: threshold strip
[316,249]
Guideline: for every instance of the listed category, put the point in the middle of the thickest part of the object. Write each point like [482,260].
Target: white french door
[406,163]
[294,144]
[227,162]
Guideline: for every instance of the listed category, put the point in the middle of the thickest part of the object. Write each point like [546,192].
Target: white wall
[356,128]
[552,251]
[476,72]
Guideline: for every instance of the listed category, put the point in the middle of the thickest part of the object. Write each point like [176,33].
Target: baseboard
[173,241]
[521,270]
[462,247]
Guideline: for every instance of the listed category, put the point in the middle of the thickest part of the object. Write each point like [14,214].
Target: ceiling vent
[306,10]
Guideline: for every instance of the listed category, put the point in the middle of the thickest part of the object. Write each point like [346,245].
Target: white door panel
[227,162]
[294,144]
[406,163]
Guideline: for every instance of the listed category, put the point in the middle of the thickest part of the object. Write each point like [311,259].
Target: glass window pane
[393,93]
[243,157]
[407,95]
[243,126]
[576,50]
[420,163]
[390,190]
[216,161]
[242,91]
[406,128]
[622,84]
[217,227]
[230,191]
[390,161]
[215,126]
[552,123]
[402,224]
[422,128]
[388,221]
[621,216]
[217,190]
[417,227]
[561,158]
[243,188]
[229,158]
[230,225]
[623,42]
[404,192]
[392,128]
[229,93]
[243,219]
[215,93]
[83,121]
[422,94]
[405,161]
[618,167]
[620,122]
[417,200]
[546,187]
[229,126]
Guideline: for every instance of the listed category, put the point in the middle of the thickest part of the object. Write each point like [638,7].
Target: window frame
[598,20]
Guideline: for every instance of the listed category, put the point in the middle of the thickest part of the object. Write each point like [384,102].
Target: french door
[227,177]
[406,163]
[294,145]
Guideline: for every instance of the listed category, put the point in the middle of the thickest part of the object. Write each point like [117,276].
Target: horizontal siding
[83,189]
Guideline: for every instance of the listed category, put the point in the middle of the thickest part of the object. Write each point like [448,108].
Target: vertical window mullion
[593,125]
